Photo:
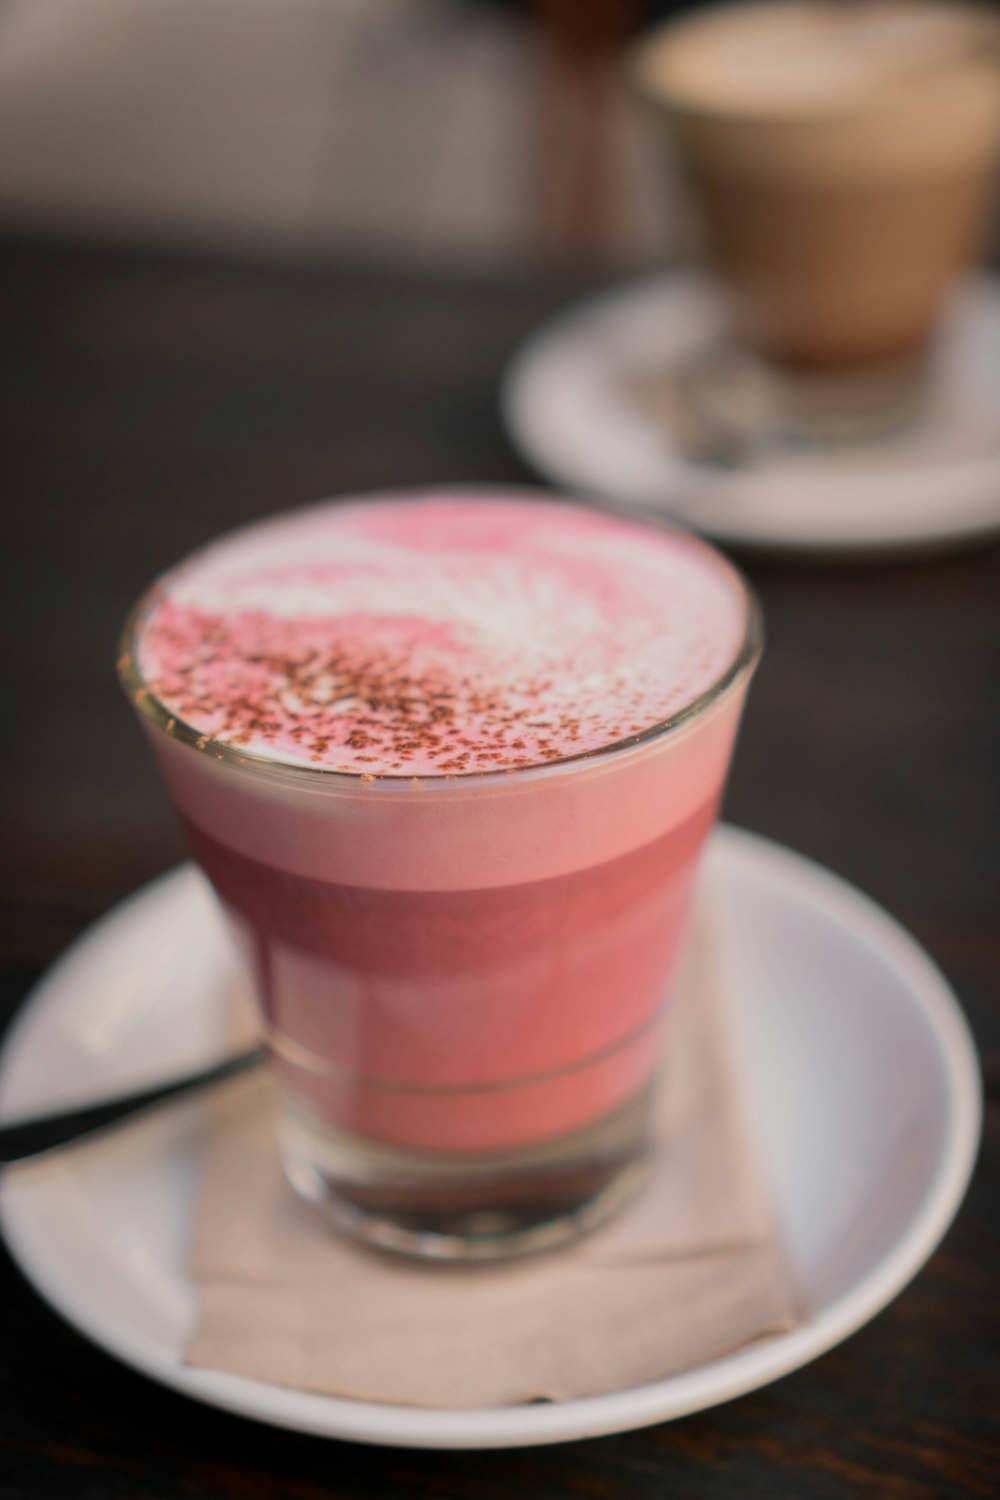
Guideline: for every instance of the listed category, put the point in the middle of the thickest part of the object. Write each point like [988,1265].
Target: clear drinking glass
[461,980]
[842,163]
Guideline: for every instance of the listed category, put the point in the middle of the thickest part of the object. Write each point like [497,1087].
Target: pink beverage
[449,760]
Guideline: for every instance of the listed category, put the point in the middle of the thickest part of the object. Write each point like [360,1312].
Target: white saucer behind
[570,409]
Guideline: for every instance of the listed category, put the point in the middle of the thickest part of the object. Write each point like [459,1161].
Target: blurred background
[461,131]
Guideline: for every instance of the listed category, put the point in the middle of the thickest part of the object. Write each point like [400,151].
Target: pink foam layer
[447,835]
[440,634]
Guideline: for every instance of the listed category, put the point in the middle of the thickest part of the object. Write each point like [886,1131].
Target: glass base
[468,1206]
[738,406]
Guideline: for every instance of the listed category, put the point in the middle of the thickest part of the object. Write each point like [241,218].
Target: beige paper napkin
[692,1270]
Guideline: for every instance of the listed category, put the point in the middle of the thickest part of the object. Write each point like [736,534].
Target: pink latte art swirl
[464,943]
[438,635]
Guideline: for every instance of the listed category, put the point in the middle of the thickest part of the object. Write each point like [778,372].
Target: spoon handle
[28,1137]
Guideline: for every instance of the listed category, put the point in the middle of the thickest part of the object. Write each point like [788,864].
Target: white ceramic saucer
[568,407]
[861,1079]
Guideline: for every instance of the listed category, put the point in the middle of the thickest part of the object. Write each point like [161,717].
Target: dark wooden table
[150,401]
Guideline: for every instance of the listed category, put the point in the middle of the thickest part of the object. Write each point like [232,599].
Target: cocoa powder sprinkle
[348,679]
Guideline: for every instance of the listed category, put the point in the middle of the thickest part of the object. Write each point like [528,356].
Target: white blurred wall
[393,127]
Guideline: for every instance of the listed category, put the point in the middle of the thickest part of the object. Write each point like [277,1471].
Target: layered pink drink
[449,761]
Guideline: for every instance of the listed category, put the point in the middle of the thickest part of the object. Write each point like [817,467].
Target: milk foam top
[816,54]
[437,634]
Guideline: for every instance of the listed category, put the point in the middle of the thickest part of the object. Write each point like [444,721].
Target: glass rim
[666,96]
[168,722]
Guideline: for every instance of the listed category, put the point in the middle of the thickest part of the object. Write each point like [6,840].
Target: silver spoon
[37,1133]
